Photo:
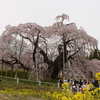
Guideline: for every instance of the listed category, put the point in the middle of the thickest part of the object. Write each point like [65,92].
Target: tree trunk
[53,67]
[58,65]
[11,70]
[2,69]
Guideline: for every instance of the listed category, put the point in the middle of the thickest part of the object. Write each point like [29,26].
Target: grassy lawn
[11,84]
[6,84]
[19,87]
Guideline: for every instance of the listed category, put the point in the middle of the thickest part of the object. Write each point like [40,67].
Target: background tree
[94,54]
[10,49]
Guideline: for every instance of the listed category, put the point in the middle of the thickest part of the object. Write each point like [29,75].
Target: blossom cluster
[98,76]
[68,95]
[25,92]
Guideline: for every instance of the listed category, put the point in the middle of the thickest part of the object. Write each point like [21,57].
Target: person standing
[60,82]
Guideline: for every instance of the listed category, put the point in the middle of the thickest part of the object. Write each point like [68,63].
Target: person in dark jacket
[95,83]
[60,82]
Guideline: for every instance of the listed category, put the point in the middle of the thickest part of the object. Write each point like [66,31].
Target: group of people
[78,85]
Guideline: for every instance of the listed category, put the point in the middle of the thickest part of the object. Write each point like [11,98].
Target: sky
[85,13]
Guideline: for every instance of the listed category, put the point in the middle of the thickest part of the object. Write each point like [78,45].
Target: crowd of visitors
[78,85]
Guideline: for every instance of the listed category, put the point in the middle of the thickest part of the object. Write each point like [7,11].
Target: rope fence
[23,81]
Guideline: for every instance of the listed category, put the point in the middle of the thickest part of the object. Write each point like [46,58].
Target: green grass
[24,75]
[11,82]
[13,85]
[28,82]
[23,84]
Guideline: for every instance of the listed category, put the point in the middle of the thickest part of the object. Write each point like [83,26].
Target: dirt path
[17,97]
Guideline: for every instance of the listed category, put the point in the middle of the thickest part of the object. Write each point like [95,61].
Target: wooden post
[39,82]
[17,80]
[58,84]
